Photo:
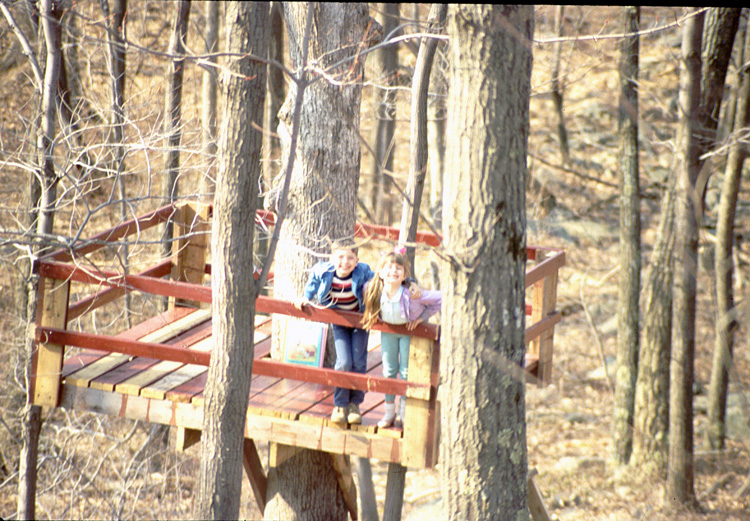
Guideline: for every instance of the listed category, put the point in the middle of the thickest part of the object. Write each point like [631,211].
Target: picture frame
[304,342]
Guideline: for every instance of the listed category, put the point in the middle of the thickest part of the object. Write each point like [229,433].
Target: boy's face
[344,261]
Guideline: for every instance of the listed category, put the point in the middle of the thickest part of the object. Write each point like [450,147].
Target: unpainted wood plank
[49,357]
[294,433]
[417,411]
[185,319]
[537,508]
[186,438]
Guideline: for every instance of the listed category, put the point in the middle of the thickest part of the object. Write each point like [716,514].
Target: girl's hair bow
[400,250]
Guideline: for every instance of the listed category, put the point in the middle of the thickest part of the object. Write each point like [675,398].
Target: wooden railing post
[544,301]
[49,357]
[192,232]
[419,426]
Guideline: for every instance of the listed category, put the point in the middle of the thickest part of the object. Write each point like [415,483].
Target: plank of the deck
[185,318]
[193,387]
[166,375]
[129,378]
[320,413]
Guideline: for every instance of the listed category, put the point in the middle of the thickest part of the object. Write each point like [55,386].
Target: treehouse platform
[156,369]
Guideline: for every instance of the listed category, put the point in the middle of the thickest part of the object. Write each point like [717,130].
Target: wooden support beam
[255,473]
[346,483]
[186,438]
[537,507]
[49,355]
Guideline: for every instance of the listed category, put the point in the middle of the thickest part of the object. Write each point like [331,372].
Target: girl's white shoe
[389,417]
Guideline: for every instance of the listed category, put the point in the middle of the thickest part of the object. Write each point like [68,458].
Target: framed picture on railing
[304,342]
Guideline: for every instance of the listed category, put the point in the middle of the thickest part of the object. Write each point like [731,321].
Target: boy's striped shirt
[341,295]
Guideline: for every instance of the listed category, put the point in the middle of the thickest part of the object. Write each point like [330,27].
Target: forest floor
[94,467]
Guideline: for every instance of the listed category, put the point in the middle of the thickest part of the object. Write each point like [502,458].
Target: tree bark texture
[726,319]
[483,428]
[628,328]
[210,98]
[173,111]
[228,385]
[651,420]
[321,208]
[680,489]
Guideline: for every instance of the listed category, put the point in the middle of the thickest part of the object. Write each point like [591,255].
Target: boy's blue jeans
[395,350]
[351,355]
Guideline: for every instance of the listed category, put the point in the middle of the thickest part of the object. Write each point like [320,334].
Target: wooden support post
[346,483]
[419,425]
[544,301]
[49,357]
[394,492]
[537,507]
[192,232]
[186,438]
[255,474]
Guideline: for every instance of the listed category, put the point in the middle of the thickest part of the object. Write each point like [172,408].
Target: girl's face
[392,273]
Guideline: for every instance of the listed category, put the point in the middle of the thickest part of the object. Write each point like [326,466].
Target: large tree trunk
[228,385]
[483,440]
[726,319]
[321,207]
[628,329]
[680,487]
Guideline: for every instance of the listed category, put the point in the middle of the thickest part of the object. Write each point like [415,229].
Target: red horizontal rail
[101,298]
[260,366]
[199,293]
[99,240]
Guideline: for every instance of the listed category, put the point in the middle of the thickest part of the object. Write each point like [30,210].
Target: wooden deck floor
[281,410]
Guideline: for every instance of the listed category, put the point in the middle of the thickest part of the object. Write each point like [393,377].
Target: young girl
[388,298]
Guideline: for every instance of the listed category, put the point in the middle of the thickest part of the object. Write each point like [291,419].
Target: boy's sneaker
[353,415]
[338,415]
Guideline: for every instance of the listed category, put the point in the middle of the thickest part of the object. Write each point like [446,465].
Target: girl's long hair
[375,287]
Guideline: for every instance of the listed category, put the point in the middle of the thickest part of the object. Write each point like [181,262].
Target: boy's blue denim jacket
[321,277]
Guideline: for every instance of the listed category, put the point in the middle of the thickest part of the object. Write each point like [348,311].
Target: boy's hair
[345,244]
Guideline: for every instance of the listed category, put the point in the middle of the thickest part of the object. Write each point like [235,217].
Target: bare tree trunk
[418,150]
[438,112]
[116,50]
[680,490]
[726,320]
[384,128]
[557,92]
[321,207]
[483,429]
[228,385]
[173,110]
[46,196]
[209,96]
[628,328]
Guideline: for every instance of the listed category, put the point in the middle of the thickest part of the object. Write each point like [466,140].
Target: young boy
[339,283]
